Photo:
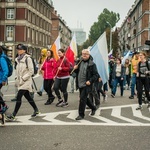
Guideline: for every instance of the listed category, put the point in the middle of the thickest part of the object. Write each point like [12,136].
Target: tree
[99,27]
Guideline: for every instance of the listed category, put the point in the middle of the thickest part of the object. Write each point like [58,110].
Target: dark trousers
[128,79]
[27,95]
[94,94]
[100,90]
[84,100]
[61,85]
[48,87]
[140,83]
[2,103]
[116,81]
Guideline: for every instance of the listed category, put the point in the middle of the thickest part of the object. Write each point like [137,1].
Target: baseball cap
[21,47]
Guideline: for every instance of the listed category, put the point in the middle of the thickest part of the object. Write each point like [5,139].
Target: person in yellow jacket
[134,64]
[41,60]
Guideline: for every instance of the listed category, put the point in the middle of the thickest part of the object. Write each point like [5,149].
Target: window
[9,33]
[10,13]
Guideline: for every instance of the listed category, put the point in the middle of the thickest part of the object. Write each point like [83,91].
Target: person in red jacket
[61,79]
[49,68]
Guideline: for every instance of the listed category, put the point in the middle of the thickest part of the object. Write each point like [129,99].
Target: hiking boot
[14,99]
[79,118]
[139,107]
[131,97]
[4,108]
[10,117]
[35,114]
[59,103]
[39,93]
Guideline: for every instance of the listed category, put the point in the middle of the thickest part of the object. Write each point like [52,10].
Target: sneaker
[14,99]
[35,114]
[139,107]
[10,118]
[112,95]
[59,103]
[39,93]
[79,118]
[131,97]
[93,112]
[4,108]
[64,104]
[48,102]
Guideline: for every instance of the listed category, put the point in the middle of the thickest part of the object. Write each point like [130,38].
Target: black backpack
[34,66]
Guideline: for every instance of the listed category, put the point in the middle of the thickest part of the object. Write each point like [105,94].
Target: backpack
[71,65]
[9,64]
[34,66]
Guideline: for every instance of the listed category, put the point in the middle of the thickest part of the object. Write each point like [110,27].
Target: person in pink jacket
[49,68]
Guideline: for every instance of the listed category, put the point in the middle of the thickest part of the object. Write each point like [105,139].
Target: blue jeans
[133,83]
[115,83]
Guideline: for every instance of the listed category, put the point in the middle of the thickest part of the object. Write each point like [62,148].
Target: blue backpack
[9,64]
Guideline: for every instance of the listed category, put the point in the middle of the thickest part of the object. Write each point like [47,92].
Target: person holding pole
[62,78]
[86,76]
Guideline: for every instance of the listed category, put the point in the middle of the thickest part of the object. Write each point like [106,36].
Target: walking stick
[77,65]
[58,71]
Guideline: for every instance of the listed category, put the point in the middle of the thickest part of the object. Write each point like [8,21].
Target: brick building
[59,27]
[25,21]
[135,29]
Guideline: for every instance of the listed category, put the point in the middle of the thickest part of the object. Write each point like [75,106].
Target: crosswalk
[124,115]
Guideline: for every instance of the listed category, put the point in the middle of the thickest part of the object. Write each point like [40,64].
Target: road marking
[50,118]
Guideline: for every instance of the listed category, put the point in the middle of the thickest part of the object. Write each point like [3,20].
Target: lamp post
[110,46]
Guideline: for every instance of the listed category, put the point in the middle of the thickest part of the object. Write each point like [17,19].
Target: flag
[99,52]
[127,56]
[71,52]
[55,47]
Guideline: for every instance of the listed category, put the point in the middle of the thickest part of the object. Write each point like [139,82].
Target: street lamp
[110,35]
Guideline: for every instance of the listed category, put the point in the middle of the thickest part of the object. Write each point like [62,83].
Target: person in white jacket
[23,81]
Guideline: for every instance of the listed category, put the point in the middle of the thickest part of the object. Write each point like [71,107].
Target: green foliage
[105,20]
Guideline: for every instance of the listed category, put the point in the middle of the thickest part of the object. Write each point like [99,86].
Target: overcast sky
[83,13]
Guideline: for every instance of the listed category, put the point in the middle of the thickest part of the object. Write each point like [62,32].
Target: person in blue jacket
[3,79]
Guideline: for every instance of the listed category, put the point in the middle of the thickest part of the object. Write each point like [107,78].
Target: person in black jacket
[143,73]
[86,75]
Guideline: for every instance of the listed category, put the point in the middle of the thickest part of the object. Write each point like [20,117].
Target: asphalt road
[116,125]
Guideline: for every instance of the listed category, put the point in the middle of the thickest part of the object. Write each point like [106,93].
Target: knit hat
[21,47]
